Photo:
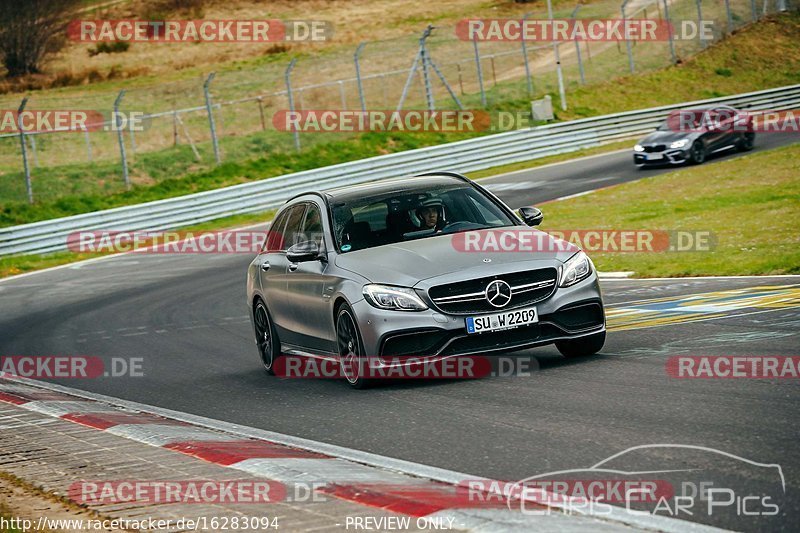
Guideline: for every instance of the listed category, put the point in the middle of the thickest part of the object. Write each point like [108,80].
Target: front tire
[698,153]
[269,346]
[352,361]
[583,346]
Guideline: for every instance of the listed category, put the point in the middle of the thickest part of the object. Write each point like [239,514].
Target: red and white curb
[363,478]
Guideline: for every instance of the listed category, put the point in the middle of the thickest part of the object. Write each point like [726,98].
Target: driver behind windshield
[431,215]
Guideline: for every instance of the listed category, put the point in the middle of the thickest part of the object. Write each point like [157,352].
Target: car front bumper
[668,157]
[568,313]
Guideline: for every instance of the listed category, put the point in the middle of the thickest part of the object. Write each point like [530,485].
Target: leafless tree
[30,30]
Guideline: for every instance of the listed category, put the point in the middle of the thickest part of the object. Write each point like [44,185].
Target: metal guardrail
[464,156]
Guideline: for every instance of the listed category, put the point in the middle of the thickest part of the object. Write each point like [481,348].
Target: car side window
[487,216]
[312,225]
[274,240]
[293,232]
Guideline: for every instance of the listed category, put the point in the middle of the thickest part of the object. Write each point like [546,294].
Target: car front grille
[655,148]
[466,297]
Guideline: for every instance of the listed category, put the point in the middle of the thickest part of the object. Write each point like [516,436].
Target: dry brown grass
[354,21]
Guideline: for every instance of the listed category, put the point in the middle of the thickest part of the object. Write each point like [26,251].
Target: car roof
[399,185]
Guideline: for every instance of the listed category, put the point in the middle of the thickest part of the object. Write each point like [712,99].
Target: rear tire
[746,142]
[269,346]
[582,346]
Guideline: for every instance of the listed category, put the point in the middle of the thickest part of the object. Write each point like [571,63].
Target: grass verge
[773,59]
[751,204]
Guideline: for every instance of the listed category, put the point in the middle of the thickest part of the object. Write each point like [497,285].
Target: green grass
[772,59]
[163,165]
[751,204]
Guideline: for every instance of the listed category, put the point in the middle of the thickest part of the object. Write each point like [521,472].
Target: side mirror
[532,216]
[304,251]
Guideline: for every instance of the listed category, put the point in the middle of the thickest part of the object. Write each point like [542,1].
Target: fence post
[528,78]
[28,186]
[729,16]
[480,71]
[361,97]
[561,91]
[578,48]
[409,80]
[211,123]
[423,52]
[700,24]
[88,143]
[671,33]
[261,113]
[628,41]
[287,77]
[121,141]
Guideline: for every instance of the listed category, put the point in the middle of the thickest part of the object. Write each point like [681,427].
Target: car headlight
[396,298]
[577,268]
[638,148]
[679,144]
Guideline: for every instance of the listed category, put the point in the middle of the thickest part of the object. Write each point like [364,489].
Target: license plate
[501,321]
[653,157]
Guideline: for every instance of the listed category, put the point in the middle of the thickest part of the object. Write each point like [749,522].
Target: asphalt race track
[529,187]
[185,316]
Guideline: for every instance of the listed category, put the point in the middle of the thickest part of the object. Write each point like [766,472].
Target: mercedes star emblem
[498,293]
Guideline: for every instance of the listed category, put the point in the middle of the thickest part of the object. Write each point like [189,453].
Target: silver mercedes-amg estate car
[422,268]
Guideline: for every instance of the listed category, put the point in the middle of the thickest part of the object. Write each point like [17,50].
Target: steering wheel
[462,225]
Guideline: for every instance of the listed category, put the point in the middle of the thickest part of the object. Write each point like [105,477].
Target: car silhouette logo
[498,293]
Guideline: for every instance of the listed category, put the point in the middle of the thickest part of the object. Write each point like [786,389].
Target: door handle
[265,266]
[292,267]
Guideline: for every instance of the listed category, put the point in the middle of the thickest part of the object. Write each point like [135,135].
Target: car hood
[666,137]
[407,263]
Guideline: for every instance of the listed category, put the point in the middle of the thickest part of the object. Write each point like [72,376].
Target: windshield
[399,216]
